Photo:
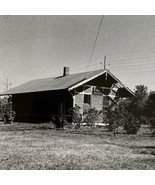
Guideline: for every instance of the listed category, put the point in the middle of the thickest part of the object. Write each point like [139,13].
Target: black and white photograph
[77,92]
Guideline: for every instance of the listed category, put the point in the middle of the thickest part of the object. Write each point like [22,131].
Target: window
[87,99]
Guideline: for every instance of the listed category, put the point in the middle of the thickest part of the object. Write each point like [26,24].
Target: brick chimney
[66,71]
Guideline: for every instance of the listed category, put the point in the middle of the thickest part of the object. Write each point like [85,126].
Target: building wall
[78,100]
[39,107]
[97,101]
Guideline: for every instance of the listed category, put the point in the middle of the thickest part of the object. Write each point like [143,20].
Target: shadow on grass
[146,152]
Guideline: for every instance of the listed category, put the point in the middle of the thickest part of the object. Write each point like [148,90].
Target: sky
[33,47]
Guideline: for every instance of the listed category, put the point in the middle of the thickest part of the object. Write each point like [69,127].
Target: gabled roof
[62,82]
[50,84]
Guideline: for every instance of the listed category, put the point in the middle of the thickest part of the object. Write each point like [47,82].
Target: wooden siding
[38,107]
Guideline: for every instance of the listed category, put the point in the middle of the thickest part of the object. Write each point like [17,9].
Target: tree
[113,118]
[150,110]
[121,116]
[128,113]
[138,103]
[150,105]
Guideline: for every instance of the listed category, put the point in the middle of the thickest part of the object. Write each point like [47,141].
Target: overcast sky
[34,47]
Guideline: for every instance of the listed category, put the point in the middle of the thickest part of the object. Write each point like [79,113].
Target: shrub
[90,116]
[131,124]
[76,116]
[120,116]
[150,111]
[112,118]
[8,116]
[58,120]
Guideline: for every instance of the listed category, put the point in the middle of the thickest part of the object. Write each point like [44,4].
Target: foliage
[113,118]
[121,116]
[137,104]
[90,116]
[58,120]
[61,120]
[8,116]
[150,105]
[142,106]
[150,111]
[76,116]
[131,123]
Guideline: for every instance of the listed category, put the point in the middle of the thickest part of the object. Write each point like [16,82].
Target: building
[37,100]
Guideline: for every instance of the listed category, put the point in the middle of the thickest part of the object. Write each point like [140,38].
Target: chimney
[66,71]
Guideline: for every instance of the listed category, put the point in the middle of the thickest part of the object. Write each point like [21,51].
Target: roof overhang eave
[85,81]
[14,93]
[106,71]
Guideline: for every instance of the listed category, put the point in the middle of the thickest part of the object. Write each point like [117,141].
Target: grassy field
[39,147]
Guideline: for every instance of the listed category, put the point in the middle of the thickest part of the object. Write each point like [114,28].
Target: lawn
[37,147]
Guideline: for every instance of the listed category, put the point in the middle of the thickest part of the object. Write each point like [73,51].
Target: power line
[137,64]
[128,64]
[94,43]
[104,62]
[131,59]
[133,51]
[7,84]
[133,66]
[113,65]
[96,66]
[137,72]
[141,61]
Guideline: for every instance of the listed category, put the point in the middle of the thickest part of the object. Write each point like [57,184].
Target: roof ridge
[56,77]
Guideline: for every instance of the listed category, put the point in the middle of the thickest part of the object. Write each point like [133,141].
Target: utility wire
[133,51]
[94,44]
[143,62]
[139,62]
[135,72]
[130,59]
[147,65]
[125,68]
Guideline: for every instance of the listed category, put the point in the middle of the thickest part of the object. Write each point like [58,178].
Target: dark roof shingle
[49,84]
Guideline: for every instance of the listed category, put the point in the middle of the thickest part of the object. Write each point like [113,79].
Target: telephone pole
[105,62]
[7,84]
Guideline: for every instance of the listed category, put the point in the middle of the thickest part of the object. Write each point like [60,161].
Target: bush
[58,120]
[150,111]
[76,116]
[90,116]
[8,116]
[120,116]
[112,118]
[131,124]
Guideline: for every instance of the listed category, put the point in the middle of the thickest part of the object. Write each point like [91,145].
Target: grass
[38,147]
